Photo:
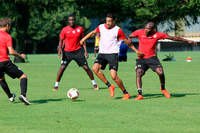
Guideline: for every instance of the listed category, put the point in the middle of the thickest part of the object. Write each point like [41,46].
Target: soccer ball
[73,93]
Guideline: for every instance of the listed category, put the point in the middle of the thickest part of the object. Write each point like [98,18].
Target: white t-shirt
[110,39]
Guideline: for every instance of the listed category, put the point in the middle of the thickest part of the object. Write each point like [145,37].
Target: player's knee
[139,72]
[114,77]
[63,67]
[95,69]
[23,76]
[160,71]
[86,68]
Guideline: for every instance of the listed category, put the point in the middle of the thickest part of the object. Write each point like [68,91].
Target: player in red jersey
[148,38]
[70,36]
[6,66]
[111,37]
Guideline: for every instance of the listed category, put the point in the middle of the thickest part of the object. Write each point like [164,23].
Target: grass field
[95,111]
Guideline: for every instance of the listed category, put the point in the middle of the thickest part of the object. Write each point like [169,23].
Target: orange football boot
[165,92]
[139,97]
[126,97]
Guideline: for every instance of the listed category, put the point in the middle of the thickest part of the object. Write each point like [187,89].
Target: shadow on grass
[78,100]
[173,95]
[103,88]
[183,94]
[41,101]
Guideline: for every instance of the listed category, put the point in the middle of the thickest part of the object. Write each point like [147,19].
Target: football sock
[162,86]
[94,82]
[4,85]
[139,91]
[56,84]
[23,85]
[108,84]
[125,92]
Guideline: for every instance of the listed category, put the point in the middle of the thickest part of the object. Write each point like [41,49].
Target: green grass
[95,112]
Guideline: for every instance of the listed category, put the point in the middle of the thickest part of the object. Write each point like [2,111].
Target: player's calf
[23,85]
[139,73]
[95,69]
[5,87]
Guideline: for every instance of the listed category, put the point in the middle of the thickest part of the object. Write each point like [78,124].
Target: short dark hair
[152,24]
[110,15]
[5,21]
[72,15]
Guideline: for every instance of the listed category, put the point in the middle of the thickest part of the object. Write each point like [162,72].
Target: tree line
[36,24]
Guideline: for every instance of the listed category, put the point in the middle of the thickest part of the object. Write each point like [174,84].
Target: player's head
[110,20]
[150,28]
[5,23]
[71,20]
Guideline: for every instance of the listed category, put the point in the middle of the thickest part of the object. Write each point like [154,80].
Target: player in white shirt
[111,37]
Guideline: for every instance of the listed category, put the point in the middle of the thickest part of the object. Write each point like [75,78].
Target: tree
[142,11]
[39,20]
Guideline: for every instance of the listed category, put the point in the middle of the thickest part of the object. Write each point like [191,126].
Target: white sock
[56,84]
[93,82]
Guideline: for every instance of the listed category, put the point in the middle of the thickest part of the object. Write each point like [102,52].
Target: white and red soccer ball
[73,93]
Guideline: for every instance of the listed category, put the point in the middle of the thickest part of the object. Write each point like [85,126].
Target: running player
[70,36]
[111,36]
[148,38]
[7,67]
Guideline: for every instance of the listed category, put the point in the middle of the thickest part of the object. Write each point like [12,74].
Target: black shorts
[111,59]
[77,56]
[11,69]
[145,64]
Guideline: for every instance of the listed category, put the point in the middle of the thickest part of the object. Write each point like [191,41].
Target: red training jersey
[5,42]
[72,37]
[147,44]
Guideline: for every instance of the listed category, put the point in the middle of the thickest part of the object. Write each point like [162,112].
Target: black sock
[23,85]
[140,91]
[108,84]
[162,87]
[4,85]
[125,92]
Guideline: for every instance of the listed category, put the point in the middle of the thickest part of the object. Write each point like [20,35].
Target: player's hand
[86,55]
[82,42]
[140,54]
[129,40]
[59,56]
[23,56]
[192,42]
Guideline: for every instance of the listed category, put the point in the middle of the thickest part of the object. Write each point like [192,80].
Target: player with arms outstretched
[148,38]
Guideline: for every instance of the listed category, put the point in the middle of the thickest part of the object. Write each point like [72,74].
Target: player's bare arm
[181,39]
[85,49]
[60,47]
[13,52]
[139,54]
[91,34]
